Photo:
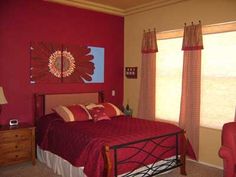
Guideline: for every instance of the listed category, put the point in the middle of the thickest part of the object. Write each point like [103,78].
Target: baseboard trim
[207,164]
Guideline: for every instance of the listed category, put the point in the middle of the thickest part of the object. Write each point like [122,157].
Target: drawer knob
[16,156]
[16,135]
[16,147]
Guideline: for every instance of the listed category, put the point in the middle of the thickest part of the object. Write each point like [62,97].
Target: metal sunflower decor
[56,65]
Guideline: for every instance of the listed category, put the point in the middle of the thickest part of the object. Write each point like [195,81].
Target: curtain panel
[146,107]
[189,118]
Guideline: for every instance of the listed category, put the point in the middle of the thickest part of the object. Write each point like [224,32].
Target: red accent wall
[23,21]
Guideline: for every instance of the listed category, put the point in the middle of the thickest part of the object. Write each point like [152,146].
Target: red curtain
[146,107]
[189,118]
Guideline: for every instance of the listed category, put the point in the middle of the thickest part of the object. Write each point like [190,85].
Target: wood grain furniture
[17,144]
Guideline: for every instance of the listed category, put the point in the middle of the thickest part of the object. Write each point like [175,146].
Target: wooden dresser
[17,144]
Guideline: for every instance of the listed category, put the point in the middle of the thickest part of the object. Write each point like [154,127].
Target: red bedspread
[81,143]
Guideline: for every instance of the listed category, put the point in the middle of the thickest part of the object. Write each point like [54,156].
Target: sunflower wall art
[57,63]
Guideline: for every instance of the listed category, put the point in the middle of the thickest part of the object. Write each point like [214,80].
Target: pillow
[98,113]
[73,113]
[91,105]
[110,109]
[80,112]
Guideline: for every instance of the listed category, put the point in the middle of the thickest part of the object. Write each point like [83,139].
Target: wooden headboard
[44,102]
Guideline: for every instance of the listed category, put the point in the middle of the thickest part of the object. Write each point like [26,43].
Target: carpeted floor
[41,170]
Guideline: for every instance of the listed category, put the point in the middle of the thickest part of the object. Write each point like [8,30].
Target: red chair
[228,149]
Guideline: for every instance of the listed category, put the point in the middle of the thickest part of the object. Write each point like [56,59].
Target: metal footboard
[159,163]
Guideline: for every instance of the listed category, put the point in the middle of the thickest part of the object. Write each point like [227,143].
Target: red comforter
[81,143]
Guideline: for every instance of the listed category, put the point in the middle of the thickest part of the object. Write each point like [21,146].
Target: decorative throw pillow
[111,110]
[79,112]
[73,113]
[92,105]
[98,113]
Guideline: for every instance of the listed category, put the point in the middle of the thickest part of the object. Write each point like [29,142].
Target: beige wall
[169,18]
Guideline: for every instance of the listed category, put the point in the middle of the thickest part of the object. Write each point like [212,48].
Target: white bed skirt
[64,168]
[59,165]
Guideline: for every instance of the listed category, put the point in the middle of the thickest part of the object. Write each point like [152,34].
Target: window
[218,87]
[169,78]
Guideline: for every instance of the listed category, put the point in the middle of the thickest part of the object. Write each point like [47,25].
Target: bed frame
[43,101]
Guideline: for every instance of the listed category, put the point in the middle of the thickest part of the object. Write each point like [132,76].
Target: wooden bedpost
[101,97]
[183,154]
[107,159]
[39,106]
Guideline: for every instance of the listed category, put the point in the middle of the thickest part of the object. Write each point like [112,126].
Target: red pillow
[98,113]
[111,110]
[73,113]
[80,113]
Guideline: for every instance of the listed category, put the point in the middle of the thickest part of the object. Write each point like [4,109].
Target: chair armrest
[226,153]
[229,165]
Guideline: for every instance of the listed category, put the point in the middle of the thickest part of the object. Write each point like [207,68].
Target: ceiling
[118,7]
[122,4]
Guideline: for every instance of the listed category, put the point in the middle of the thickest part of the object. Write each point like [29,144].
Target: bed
[121,146]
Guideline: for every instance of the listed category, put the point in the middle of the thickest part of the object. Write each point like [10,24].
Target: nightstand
[17,144]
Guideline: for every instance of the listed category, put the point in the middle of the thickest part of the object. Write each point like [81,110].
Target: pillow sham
[110,109]
[98,113]
[93,105]
[73,112]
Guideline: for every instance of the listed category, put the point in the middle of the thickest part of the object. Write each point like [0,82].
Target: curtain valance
[149,43]
[192,37]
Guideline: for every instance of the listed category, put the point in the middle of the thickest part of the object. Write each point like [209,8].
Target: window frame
[206,29]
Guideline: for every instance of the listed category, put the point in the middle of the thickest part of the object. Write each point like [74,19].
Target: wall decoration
[56,63]
[131,72]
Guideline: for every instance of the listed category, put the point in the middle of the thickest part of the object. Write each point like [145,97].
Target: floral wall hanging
[56,63]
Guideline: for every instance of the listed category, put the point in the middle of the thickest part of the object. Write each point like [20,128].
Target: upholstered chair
[228,149]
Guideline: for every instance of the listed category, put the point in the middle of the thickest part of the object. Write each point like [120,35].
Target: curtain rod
[193,23]
[154,29]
